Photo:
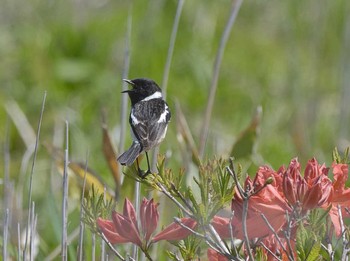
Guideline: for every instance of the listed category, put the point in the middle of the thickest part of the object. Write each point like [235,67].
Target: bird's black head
[141,89]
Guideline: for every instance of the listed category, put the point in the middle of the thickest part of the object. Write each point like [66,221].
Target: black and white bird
[149,118]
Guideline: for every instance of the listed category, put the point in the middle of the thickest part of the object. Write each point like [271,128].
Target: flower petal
[222,227]
[129,212]
[149,217]
[108,229]
[126,228]
[175,231]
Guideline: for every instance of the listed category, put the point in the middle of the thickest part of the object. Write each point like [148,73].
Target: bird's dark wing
[149,122]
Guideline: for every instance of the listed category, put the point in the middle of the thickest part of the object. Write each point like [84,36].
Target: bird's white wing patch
[135,121]
[162,117]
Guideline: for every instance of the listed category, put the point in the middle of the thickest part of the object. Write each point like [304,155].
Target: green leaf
[314,252]
[245,143]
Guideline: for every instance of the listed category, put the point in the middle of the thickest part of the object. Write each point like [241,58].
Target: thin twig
[275,234]
[18,241]
[218,246]
[32,172]
[5,234]
[178,221]
[218,239]
[167,66]
[245,199]
[233,174]
[345,249]
[231,233]
[287,234]
[81,225]
[205,126]
[64,243]
[179,194]
[93,247]
[116,253]
[167,193]
[103,244]
[206,237]
[329,250]
[244,226]
[272,253]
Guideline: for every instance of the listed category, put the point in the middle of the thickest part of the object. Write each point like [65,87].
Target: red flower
[266,200]
[341,196]
[123,227]
[311,191]
[174,231]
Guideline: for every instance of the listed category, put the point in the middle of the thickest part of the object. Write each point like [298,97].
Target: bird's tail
[129,156]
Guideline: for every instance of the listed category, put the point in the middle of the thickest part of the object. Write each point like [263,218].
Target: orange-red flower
[308,192]
[264,200]
[341,195]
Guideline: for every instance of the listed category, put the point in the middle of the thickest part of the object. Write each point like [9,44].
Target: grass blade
[5,234]
[81,223]
[167,66]
[32,172]
[64,242]
[208,111]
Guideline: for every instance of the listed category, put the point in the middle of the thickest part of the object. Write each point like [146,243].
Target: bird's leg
[141,172]
[149,168]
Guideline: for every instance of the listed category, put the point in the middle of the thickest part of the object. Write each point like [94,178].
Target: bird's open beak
[129,82]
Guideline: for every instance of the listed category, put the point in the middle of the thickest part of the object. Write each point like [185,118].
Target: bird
[149,118]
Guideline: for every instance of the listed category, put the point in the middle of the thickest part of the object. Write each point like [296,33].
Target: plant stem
[167,66]
[244,226]
[167,193]
[211,97]
[345,242]
[81,223]
[32,173]
[64,243]
[116,253]
[275,234]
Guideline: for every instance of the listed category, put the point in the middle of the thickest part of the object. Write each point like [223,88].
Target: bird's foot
[144,174]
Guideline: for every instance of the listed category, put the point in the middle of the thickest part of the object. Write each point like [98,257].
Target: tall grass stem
[32,173]
[214,83]
[64,243]
[167,66]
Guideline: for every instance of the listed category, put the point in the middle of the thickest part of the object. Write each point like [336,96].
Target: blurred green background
[291,57]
